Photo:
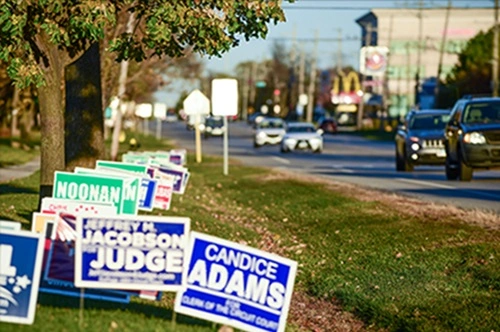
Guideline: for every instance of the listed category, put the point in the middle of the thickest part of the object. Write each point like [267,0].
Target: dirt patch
[402,204]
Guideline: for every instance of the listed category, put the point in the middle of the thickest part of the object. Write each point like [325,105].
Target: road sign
[130,252]
[224,97]
[160,111]
[373,60]
[236,285]
[21,255]
[196,103]
[144,110]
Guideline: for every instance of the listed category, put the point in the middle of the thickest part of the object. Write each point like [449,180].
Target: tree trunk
[52,120]
[84,112]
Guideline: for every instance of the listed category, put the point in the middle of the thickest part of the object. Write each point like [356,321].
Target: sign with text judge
[236,285]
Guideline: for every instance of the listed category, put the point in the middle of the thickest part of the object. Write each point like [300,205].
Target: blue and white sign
[21,254]
[131,252]
[236,285]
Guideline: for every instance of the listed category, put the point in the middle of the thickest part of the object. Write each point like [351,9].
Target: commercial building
[415,38]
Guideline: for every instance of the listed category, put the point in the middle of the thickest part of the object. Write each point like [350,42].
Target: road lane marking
[282,160]
[425,183]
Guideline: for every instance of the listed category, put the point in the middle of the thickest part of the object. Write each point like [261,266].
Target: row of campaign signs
[89,240]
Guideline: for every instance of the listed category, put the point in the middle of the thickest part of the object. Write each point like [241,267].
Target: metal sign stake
[226,144]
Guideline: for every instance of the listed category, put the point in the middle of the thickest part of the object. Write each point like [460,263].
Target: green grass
[17,155]
[391,269]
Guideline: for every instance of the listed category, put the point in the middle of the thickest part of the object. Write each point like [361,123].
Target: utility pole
[312,81]
[368,42]
[293,69]
[253,80]
[339,52]
[495,53]
[122,87]
[302,65]
[441,54]
[245,87]
[419,50]
[385,93]
[408,76]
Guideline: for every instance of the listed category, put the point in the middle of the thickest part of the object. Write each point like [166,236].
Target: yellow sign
[348,81]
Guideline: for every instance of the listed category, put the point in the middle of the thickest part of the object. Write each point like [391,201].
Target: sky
[329,19]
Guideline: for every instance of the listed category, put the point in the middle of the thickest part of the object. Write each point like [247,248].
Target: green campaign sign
[136,168]
[97,189]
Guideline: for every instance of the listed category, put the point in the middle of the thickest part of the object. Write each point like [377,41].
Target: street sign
[97,189]
[130,252]
[196,104]
[144,110]
[21,255]
[373,60]
[236,285]
[224,97]
[160,111]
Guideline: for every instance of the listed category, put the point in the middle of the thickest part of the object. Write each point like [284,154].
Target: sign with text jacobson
[130,252]
[236,285]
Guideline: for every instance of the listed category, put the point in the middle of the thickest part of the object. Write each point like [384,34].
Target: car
[214,126]
[302,136]
[255,118]
[472,137]
[328,125]
[269,131]
[420,140]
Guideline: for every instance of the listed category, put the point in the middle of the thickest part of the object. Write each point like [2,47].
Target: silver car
[269,131]
[302,136]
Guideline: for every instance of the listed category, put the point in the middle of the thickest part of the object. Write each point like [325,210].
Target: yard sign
[236,285]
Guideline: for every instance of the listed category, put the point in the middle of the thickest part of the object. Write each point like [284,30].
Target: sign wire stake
[82,303]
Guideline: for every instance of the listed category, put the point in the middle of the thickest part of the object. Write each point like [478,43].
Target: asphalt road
[355,160]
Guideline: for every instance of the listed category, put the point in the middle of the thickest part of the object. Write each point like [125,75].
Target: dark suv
[420,140]
[472,137]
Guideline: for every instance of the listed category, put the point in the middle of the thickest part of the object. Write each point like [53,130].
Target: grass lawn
[10,155]
[394,263]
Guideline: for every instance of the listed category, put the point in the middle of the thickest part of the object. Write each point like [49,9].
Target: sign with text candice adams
[236,285]
[130,252]
[21,255]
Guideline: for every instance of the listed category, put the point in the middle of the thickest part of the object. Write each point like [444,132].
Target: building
[414,37]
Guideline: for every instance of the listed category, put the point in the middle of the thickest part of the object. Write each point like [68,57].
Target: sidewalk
[19,171]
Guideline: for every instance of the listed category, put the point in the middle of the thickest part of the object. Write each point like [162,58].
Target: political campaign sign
[125,252]
[59,262]
[236,285]
[178,157]
[52,205]
[132,184]
[95,188]
[21,260]
[10,225]
[135,158]
[180,174]
[163,196]
[148,185]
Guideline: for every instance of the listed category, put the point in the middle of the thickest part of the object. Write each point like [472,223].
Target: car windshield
[275,123]
[482,112]
[211,122]
[301,129]
[429,121]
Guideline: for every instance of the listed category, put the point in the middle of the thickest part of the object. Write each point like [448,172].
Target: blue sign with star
[22,254]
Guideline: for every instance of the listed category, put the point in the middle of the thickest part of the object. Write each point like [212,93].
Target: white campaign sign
[224,97]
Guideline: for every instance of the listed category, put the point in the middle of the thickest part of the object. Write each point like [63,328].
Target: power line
[368,8]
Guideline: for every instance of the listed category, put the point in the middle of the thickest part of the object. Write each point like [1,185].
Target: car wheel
[451,170]
[464,171]
[255,145]
[283,150]
[318,150]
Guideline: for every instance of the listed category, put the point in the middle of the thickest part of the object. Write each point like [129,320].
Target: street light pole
[495,53]
[419,50]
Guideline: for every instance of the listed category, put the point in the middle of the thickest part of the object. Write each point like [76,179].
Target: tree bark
[84,142]
[52,120]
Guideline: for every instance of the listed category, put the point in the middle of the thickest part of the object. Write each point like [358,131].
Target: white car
[269,131]
[302,136]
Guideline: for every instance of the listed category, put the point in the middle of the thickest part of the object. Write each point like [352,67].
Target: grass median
[395,263]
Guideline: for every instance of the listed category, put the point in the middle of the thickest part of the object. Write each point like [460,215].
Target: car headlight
[261,134]
[474,138]
[415,146]
[201,126]
[414,139]
[290,141]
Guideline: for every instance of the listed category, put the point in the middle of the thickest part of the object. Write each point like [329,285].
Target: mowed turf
[393,269]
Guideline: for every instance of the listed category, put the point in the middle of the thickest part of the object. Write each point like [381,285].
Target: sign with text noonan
[236,285]
[96,189]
